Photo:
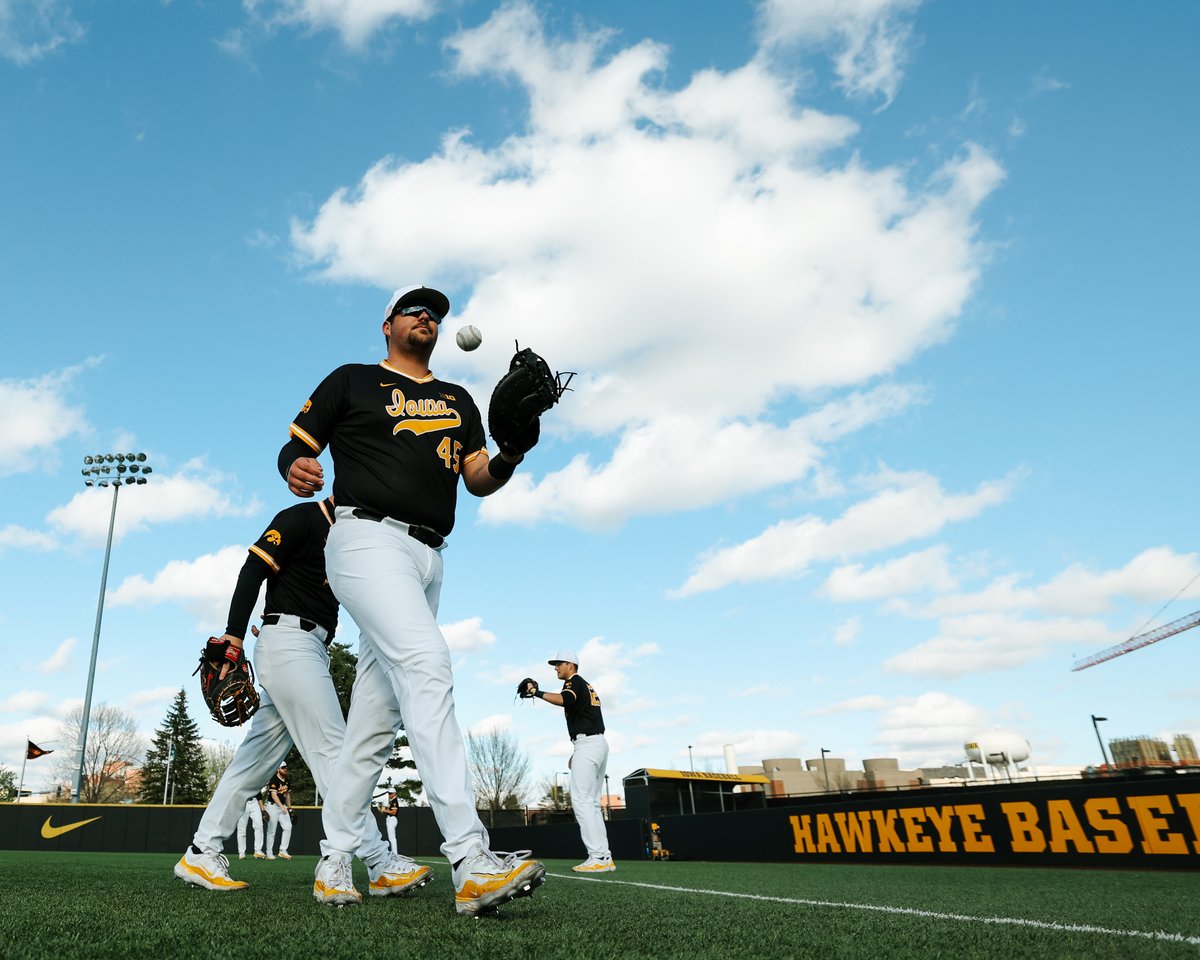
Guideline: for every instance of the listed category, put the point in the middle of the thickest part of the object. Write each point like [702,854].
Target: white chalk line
[908,911]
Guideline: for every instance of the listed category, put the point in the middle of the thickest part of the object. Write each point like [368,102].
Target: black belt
[305,624]
[427,536]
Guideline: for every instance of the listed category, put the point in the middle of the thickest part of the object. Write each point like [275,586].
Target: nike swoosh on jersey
[392,384]
[50,832]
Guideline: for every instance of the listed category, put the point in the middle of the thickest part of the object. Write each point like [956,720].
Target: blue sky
[880,310]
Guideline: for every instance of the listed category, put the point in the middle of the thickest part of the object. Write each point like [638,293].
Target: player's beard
[421,344]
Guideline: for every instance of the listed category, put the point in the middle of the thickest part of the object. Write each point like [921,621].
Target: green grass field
[58,906]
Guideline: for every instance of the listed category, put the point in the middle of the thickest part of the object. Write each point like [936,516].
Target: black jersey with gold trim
[293,548]
[581,704]
[397,443]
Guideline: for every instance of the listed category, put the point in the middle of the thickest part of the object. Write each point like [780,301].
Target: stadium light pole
[1095,726]
[825,767]
[607,800]
[103,470]
[167,778]
[690,763]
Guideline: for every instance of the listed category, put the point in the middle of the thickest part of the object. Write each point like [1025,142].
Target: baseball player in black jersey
[390,809]
[279,813]
[299,703]
[589,758]
[400,439]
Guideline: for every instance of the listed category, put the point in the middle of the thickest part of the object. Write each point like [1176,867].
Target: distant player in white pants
[251,816]
[400,440]
[589,757]
[391,811]
[299,701]
[279,813]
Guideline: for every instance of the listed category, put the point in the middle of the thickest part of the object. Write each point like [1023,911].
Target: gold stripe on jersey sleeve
[299,434]
[471,456]
[264,557]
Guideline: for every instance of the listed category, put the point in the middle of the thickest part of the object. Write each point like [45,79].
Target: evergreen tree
[177,739]
[401,759]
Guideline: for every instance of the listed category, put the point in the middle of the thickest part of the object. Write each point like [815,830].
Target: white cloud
[912,505]
[25,539]
[868,39]
[202,586]
[652,237]
[39,413]
[23,701]
[499,722]
[847,632]
[467,636]
[644,475]
[32,29]
[354,20]
[1154,575]
[150,698]
[925,570]
[194,491]
[987,642]
[750,747]
[929,729]
[60,659]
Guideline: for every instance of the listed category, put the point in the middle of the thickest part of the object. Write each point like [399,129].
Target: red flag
[33,751]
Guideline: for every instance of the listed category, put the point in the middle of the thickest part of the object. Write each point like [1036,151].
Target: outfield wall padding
[1152,822]
[113,828]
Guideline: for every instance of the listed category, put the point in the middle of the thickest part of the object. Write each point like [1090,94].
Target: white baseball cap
[425,296]
[563,658]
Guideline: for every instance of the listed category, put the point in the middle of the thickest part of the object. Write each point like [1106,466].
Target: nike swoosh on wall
[50,831]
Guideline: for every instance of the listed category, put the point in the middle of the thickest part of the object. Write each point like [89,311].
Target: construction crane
[1141,640]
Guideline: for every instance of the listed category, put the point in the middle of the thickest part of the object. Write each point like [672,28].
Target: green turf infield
[59,906]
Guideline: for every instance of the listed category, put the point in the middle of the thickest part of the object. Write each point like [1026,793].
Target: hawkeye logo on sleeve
[273,537]
[50,831]
[421,416]
[307,406]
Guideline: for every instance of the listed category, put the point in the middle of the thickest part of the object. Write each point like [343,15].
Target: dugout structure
[651,793]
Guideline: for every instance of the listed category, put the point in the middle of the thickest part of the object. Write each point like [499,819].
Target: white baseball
[468,337]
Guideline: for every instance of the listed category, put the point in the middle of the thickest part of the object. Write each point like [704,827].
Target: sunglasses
[417,309]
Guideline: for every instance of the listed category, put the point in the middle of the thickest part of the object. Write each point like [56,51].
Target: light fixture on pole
[130,469]
[691,765]
[562,796]
[825,767]
[1104,753]
[607,800]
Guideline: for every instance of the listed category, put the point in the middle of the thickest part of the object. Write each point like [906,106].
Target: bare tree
[500,769]
[217,756]
[110,763]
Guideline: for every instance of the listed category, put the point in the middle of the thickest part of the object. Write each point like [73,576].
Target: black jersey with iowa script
[397,443]
[581,704]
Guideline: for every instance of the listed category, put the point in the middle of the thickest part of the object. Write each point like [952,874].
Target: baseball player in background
[400,439]
[589,757]
[279,813]
[299,704]
[390,809]
[252,815]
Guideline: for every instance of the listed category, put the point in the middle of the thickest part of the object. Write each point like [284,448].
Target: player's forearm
[290,452]
[245,595]
[554,698]
[484,477]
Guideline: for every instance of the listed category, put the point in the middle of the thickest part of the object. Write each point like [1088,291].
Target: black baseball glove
[523,394]
[232,700]
[527,688]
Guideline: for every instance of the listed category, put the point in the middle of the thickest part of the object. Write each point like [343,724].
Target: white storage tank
[998,750]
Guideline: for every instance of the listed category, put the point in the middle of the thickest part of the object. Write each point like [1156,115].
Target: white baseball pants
[298,700]
[589,761]
[252,815]
[390,584]
[276,817]
[391,832]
